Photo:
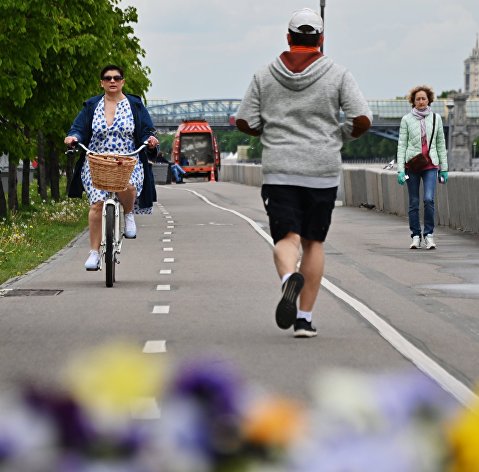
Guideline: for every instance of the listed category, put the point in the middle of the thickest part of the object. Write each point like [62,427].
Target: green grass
[34,234]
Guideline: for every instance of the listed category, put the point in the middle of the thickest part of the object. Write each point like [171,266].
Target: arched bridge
[218,112]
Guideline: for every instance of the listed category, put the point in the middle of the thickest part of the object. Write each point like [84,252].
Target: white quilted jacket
[410,141]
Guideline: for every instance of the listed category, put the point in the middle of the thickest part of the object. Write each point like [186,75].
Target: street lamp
[322,6]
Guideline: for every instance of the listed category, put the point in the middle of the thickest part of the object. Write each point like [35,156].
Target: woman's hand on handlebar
[152,142]
[70,141]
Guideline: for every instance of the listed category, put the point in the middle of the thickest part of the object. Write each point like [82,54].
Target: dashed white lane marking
[163,287]
[169,259]
[166,232]
[154,347]
[161,309]
[168,249]
[169,227]
[145,409]
[170,221]
[424,363]
[165,271]
[166,240]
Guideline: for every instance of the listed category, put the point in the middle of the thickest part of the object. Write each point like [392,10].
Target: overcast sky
[204,49]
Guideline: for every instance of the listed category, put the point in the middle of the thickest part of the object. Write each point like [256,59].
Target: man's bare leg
[286,254]
[312,268]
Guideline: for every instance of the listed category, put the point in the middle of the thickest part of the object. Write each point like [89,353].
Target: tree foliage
[52,54]
[369,146]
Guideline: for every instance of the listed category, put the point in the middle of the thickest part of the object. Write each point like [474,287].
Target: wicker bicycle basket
[111,172]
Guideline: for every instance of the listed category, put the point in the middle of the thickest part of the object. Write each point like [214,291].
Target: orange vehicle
[195,149]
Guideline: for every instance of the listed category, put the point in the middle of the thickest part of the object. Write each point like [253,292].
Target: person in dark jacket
[113,123]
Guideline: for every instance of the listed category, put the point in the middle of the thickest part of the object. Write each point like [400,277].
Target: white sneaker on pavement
[429,240]
[130,226]
[93,261]
[416,242]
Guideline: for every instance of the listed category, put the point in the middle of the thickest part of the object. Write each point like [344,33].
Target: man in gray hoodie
[293,104]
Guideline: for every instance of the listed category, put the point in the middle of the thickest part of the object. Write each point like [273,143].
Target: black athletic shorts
[301,210]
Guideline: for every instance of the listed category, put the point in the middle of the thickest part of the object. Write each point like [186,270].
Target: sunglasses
[108,78]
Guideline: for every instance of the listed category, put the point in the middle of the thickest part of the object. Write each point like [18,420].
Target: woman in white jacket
[416,136]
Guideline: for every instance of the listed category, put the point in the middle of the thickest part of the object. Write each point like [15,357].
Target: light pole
[474,144]
[450,107]
[322,6]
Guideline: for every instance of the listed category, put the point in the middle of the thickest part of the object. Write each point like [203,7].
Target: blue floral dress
[117,138]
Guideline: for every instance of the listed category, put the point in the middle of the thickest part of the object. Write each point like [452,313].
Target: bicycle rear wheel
[109,254]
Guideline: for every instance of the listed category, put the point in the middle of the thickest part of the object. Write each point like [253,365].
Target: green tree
[447,94]
[228,141]
[166,143]
[25,37]
[52,53]
[255,148]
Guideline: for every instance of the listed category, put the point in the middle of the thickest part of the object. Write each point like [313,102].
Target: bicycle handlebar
[77,144]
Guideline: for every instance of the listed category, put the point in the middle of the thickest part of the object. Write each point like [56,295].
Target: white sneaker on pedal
[93,261]
[416,242]
[429,240]
[130,226]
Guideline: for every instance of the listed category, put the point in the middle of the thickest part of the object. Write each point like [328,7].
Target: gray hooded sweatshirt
[298,117]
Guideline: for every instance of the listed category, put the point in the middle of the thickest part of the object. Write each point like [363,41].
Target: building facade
[471,72]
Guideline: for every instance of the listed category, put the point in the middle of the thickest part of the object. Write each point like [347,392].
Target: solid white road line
[427,365]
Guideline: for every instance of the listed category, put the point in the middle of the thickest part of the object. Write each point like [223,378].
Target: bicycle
[113,221]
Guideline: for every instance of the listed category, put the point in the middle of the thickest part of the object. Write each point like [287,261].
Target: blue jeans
[177,172]
[429,179]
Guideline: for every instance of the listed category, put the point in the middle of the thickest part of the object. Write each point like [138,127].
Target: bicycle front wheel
[109,254]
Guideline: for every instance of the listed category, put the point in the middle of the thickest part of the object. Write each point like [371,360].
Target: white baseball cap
[306,17]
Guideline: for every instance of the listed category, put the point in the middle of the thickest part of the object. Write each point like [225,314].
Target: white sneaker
[429,240]
[93,261]
[130,226]
[416,242]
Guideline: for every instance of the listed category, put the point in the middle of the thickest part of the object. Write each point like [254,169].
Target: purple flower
[214,385]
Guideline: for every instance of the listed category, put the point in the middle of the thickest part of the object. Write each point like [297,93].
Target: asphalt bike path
[199,281]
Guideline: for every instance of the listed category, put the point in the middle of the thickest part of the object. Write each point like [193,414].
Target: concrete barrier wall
[250,174]
[457,202]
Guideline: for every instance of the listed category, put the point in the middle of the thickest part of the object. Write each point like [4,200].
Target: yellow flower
[464,440]
[112,377]
[274,421]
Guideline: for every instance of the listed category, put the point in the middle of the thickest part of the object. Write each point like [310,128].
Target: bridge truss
[217,112]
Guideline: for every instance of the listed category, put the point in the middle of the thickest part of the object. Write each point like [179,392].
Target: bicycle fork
[118,228]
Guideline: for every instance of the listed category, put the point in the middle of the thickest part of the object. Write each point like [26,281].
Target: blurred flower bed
[212,420]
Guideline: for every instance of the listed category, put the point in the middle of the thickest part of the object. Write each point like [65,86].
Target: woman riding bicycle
[113,123]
